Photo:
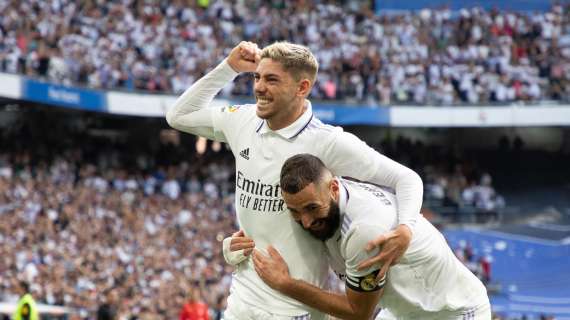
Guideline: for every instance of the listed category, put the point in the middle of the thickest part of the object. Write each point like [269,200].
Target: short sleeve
[355,253]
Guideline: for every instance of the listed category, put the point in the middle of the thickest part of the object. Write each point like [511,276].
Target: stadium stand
[83,216]
[431,56]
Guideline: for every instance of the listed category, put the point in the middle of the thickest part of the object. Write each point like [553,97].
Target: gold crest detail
[368,283]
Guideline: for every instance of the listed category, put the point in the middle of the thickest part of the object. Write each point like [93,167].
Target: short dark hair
[299,171]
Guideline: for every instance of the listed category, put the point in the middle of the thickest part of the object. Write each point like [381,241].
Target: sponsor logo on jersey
[245,153]
[258,196]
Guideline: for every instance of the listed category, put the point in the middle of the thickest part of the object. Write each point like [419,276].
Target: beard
[330,223]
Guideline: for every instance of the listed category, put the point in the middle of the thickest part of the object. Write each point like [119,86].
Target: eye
[312,207]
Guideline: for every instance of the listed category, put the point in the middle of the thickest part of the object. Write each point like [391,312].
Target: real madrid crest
[368,283]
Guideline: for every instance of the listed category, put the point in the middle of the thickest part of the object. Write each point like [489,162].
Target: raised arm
[190,112]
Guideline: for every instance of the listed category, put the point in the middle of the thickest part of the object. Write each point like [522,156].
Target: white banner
[10,86]
[484,116]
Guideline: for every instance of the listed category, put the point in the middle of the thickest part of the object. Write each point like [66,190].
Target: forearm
[409,192]
[199,96]
[327,302]
[371,166]
[407,185]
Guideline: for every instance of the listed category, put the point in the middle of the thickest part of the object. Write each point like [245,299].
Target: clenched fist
[244,57]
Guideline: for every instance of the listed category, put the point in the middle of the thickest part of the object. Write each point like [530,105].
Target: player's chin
[321,233]
[264,111]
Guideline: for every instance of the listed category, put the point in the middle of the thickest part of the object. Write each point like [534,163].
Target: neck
[280,121]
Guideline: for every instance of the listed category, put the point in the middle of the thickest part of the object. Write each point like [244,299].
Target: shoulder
[336,138]
[366,217]
[317,124]
[370,213]
[358,234]
[324,134]
[316,127]
[353,248]
[235,116]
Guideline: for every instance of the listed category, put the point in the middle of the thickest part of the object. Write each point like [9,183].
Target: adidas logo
[245,154]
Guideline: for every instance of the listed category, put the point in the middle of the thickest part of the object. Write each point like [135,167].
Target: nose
[258,86]
[307,221]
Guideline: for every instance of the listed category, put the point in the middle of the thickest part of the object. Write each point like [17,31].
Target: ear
[304,88]
[334,188]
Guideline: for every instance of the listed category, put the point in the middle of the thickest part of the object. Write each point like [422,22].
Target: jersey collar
[294,129]
[342,196]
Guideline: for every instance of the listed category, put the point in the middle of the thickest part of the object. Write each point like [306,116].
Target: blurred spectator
[26,308]
[485,265]
[194,308]
[453,183]
[480,266]
[108,309]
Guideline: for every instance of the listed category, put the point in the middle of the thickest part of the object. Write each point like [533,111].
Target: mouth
[263,101]
[318,225]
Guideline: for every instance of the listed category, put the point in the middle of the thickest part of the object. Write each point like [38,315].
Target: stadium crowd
[434,56]
[457,187]
[84,235]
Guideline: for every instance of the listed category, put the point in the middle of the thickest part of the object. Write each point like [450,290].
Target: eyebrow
[257,74]
[304,207]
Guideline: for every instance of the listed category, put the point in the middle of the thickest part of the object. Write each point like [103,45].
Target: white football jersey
[429,282]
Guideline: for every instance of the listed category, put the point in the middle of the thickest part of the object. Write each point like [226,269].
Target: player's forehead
[268,66]
[307,196]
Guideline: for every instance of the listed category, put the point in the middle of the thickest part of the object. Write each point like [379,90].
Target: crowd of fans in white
[457,187]
[76,233]
[433,56]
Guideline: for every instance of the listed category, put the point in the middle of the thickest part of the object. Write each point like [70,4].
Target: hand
[393,245]
[272,269]
[242,242]
[244,57]
[237,248]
